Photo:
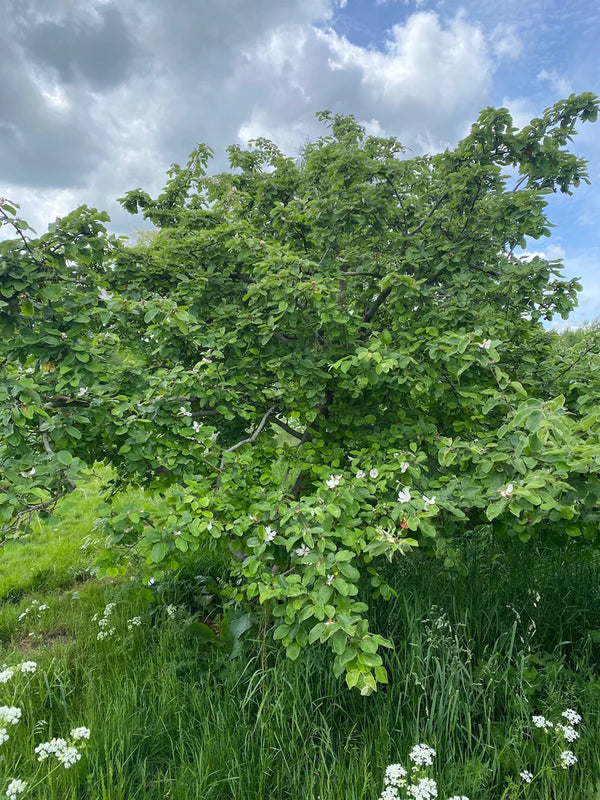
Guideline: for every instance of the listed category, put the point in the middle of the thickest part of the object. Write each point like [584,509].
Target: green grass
[172,717]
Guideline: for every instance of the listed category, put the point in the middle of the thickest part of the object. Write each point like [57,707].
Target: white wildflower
[360,474]
[82,391]
[270,534]
[80,733]
[526,776]
[134,622]
[171,611]
[43,607]
[429,501]
[6,674]
[571,716]
[404,496]
[568,732]
[10,714]
[4,737]
[404,465]
[28,667]
[184,412]
[329,580]
[106,633]
[394,774]
[506,492]
[196,426]
[14,788]
[373,473]
[302,551]
[486,344]
[69,756]
[425,789]
[541,722]
[458,797]
[389,793]
[422,755]
[334,481]
[104,295]
[568,758]
[51,748]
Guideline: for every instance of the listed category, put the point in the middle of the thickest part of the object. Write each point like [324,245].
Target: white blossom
[373,473]
[28,667]
[334,481]
[171,611]
[389,793]
[571,716]
[526,776]
[422,755]
[506,492]
[14,788]
[568,732]
[394,774]
[104,295]
[302,551]
[329,580]
[568,758]
[4,737]
[360,474]
[425,789]
[404,496]
[10,714]
[485,344]
[134,622]
[404,465]
[458,797]
[429,501]
[6,674]
[541,722]
[270,533]
[184,412]
[196,426]
[80,733]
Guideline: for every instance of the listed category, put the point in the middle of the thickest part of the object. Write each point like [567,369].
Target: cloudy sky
[100,96]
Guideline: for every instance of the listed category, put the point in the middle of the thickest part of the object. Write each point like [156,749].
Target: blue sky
[99,96]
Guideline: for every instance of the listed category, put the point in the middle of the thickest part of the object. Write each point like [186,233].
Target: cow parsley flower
[568,732]
[389,793]
[422,755]
[394,774]
[541,722]
[4,737]
[526,776]
[14,788]
[458,797]
[80,733]
[134,622]
[334,481]
[568,758]
[28,667]
[404,495]
[425,789]
[10,714]
[6,674]
[571,716]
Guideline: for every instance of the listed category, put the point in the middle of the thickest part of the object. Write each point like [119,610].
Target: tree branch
[287,428]
[249,440]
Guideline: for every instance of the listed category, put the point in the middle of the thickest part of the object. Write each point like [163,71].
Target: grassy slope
[170,717]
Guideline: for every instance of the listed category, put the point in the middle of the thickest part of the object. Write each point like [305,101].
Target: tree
[313,366]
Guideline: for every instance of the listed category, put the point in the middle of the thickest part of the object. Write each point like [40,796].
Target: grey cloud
[95,49]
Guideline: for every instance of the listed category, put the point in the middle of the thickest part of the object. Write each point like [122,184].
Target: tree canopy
[313,364]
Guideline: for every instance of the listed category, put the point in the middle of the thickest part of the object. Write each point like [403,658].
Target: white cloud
[559,84]
[506,42]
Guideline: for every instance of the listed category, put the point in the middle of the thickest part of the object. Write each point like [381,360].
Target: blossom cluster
[568,733]
[397,785]
[67,754]
[106,629]
[36,608]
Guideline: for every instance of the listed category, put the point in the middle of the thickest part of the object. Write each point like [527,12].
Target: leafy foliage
[312,365]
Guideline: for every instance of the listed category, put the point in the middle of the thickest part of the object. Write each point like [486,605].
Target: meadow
[182,702]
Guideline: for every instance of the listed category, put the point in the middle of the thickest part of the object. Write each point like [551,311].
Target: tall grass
[475,656]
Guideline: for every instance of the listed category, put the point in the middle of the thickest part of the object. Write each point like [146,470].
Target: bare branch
[249,440]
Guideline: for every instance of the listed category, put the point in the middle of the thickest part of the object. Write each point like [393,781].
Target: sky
[100,96]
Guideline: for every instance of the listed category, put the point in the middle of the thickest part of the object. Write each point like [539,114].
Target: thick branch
[287,428]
